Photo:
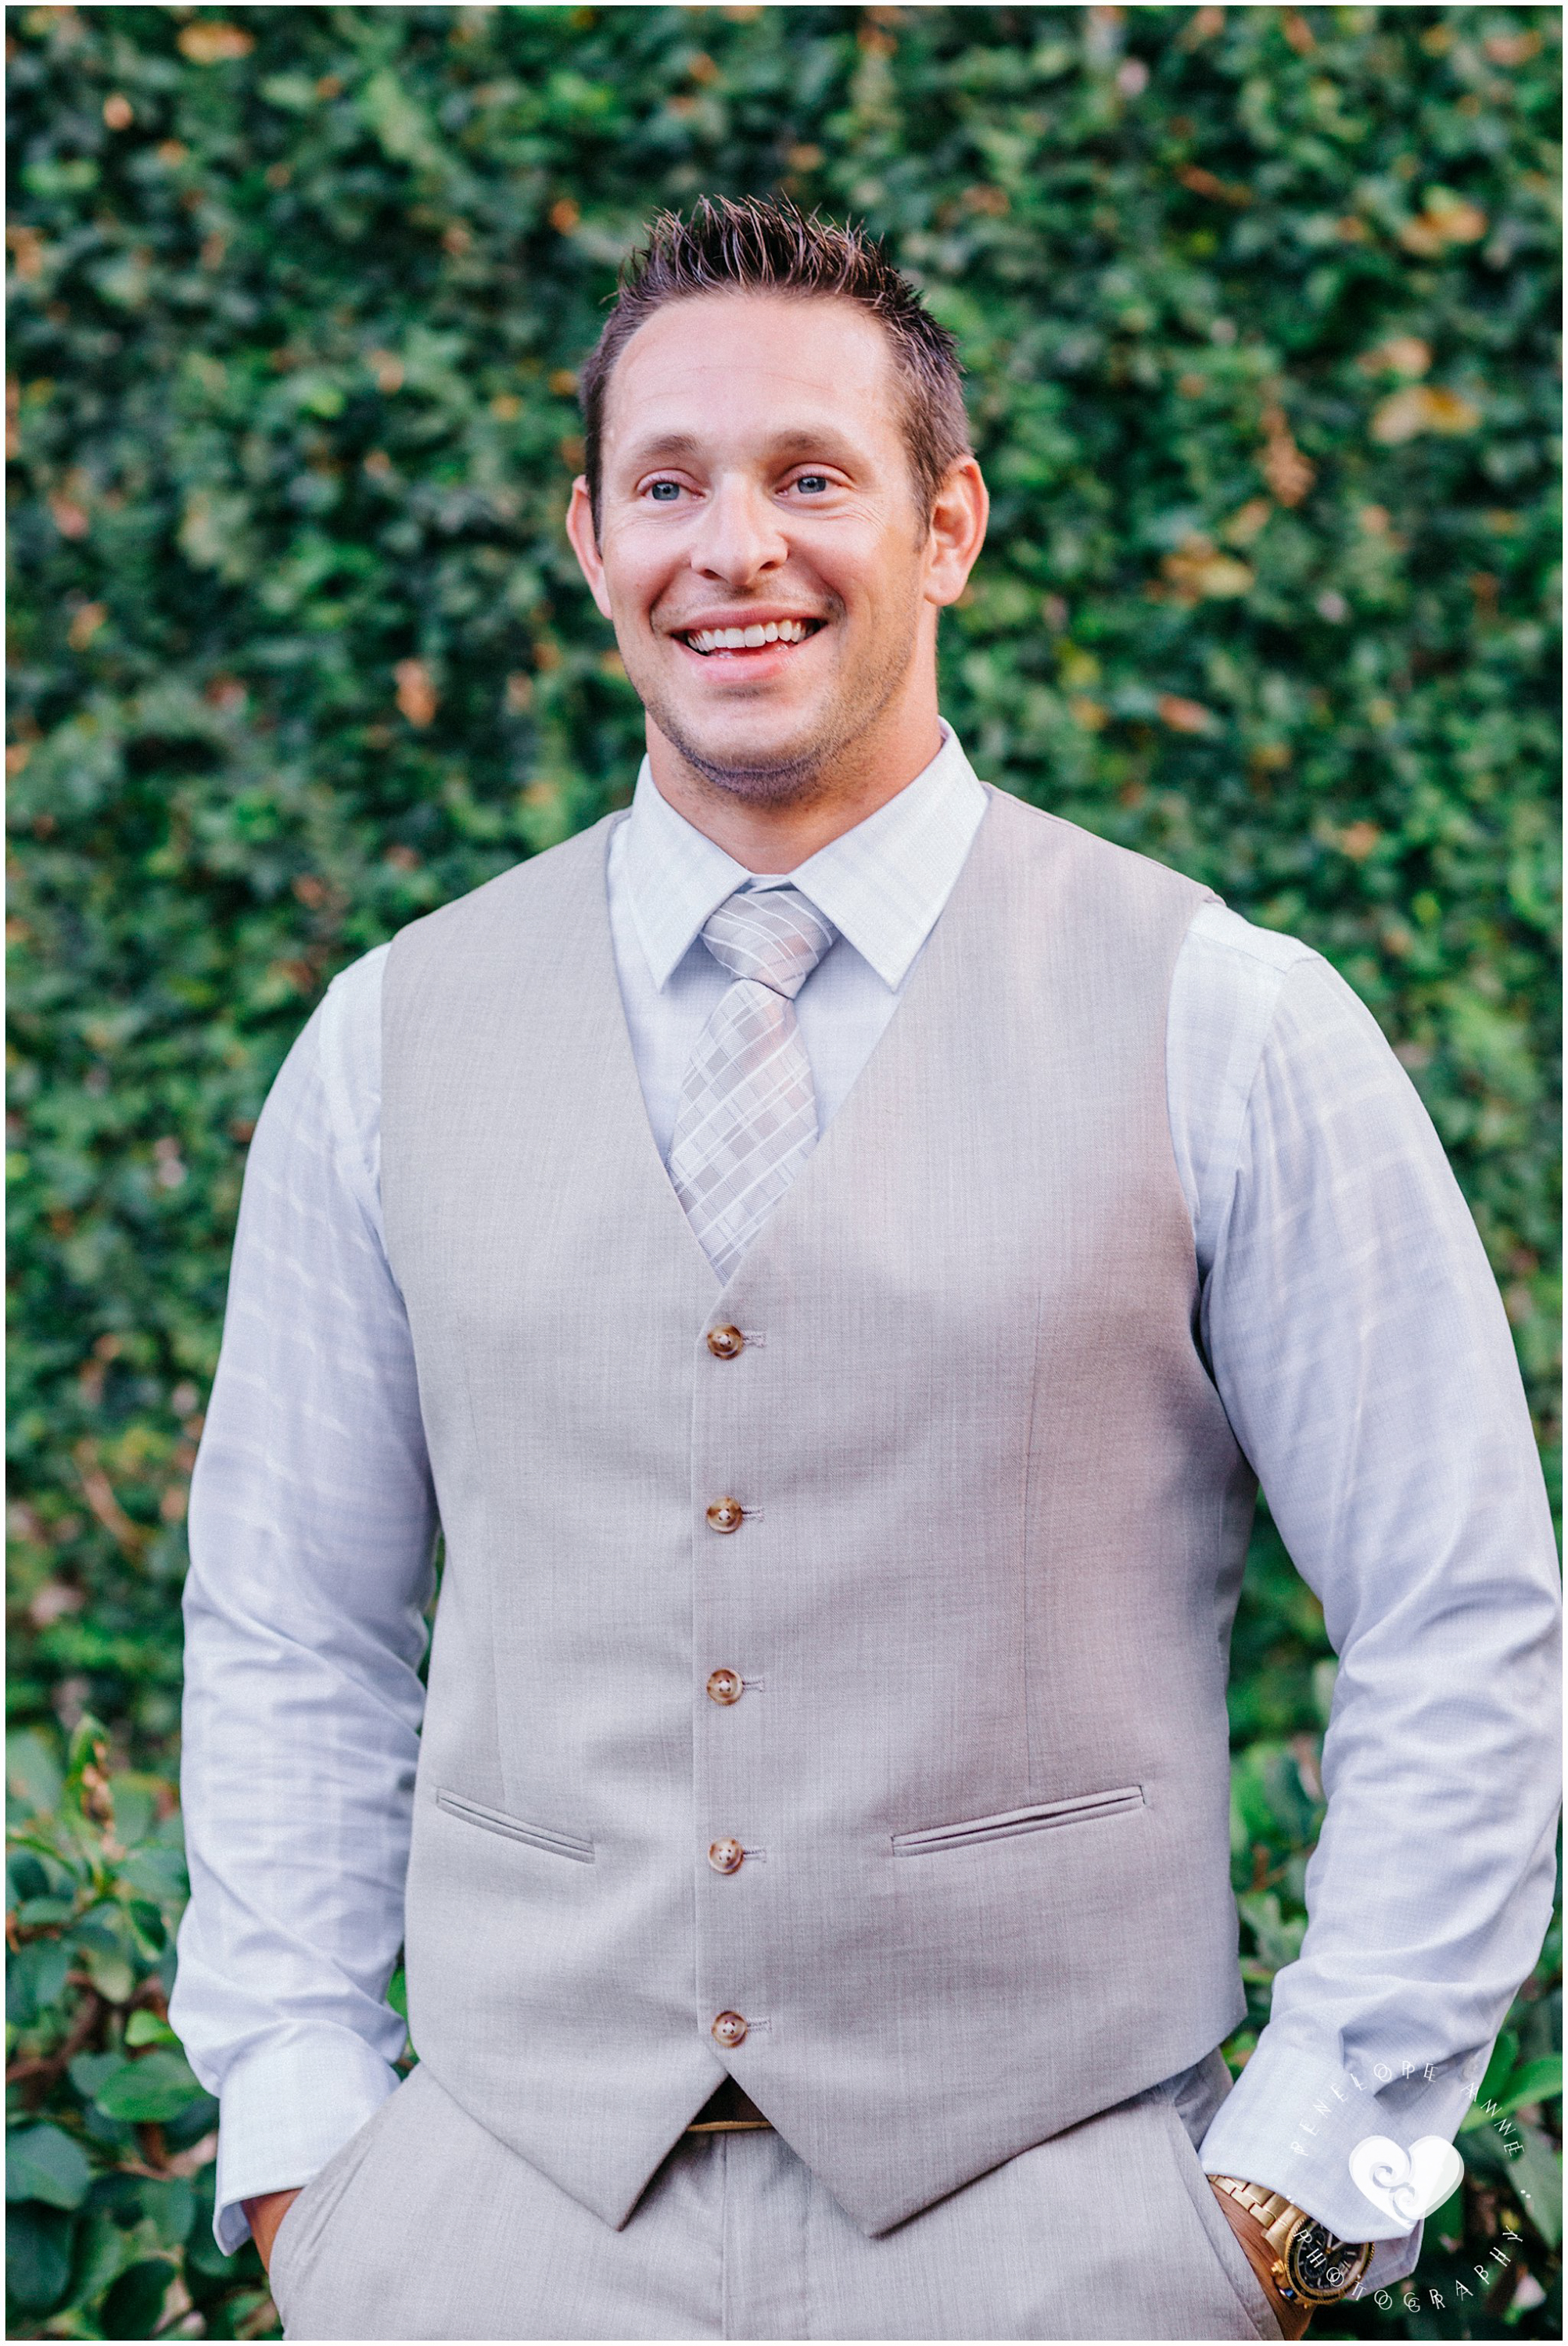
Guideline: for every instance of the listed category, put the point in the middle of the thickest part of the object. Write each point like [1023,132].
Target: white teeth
[736,639]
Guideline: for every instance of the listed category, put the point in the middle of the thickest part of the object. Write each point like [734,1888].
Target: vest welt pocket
[1086,1809]
[512,1829]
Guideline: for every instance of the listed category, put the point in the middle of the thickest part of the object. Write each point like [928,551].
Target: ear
[957,532]
[584,542]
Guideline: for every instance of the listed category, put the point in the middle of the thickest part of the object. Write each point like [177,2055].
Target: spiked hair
[766,244]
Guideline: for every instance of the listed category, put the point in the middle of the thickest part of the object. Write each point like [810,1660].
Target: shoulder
[350,1033]
[1063,854]
[503,911]
[1266,1038]
[1231,971]
[1290,1005]
[1244,996]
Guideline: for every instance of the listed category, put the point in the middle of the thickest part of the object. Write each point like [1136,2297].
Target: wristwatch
[1312,2265]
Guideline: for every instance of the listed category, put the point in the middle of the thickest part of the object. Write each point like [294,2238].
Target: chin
[742,751]
[781,783]
[762,766]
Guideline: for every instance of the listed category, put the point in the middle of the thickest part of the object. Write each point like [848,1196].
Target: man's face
[760,547]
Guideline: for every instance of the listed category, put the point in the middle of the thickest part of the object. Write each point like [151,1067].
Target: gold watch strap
[1280,2218]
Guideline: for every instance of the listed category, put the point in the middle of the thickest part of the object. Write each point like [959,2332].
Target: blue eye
[665,491]
[813,482]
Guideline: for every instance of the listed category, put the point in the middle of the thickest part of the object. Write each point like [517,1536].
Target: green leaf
[37,2255]
[132,2308]
[397,120]
[1536,2177]
[145,2027]
[157,2087]
[171,2204]
[33,1773]
[26,1878]
[43,2162]
[1523,2163]
[136,1809]
[148,1924]
[110,1973]
[102,2252]
[196,2119]
[89,2071]
[36,1980]
[1533,2081]
[1504,2054]
[1278,1938]
[34,1914]
[158,1872]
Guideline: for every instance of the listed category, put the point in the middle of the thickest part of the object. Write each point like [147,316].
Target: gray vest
[978,1605]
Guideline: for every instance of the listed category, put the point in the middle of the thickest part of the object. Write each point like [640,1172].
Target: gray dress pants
[423,2226]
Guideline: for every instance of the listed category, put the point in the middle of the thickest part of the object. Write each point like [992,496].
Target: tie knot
[772,936]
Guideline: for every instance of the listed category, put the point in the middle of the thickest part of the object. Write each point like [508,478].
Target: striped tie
[748,1114]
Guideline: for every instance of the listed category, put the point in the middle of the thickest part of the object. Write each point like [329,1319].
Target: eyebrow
[667,445]
[802,440]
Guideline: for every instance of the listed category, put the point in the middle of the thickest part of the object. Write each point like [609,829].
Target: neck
[774,835]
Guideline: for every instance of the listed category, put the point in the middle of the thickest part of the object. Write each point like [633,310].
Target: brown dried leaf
[209,43]
[1287,471]
[416,694]
[27,249]
[1197,572]
[1446,219]
[1204,183]
[1184,716]
[1247,522]
[1420,407]
[1404,354]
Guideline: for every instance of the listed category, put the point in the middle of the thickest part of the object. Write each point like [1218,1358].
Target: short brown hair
[766,244]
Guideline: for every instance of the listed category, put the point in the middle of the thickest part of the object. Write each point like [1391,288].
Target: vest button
[724,1686]
[725,1342]
[729,2028]
[726,1514]
[725,1856]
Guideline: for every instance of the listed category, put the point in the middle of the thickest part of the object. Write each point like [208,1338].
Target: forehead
[731,373]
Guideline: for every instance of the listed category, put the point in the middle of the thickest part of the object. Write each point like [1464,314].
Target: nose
[739,539]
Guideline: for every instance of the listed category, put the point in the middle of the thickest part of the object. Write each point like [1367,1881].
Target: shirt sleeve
[311,1539]
[1359,1345]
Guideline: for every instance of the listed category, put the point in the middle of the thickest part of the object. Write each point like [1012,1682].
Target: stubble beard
[808,772]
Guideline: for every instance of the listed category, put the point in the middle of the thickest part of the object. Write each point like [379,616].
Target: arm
[311,1532]
[264,2216]
[1360,1348]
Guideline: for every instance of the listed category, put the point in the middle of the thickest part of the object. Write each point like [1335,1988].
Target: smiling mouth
[708,640]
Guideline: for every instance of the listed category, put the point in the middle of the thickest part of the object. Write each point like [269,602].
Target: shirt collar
[882,886]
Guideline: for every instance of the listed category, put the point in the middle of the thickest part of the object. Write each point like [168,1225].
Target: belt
[729,2111]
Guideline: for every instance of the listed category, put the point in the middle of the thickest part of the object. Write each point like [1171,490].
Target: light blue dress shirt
[1356,1337]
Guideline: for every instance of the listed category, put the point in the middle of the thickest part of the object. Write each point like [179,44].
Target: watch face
[1321,2266]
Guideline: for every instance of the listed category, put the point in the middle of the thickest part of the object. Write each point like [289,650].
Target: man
[833,1248]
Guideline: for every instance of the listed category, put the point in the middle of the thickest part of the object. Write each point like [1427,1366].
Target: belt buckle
[729,2111]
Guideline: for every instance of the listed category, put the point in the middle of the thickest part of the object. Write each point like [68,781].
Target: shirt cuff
[284,2110]
[1292,2121]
